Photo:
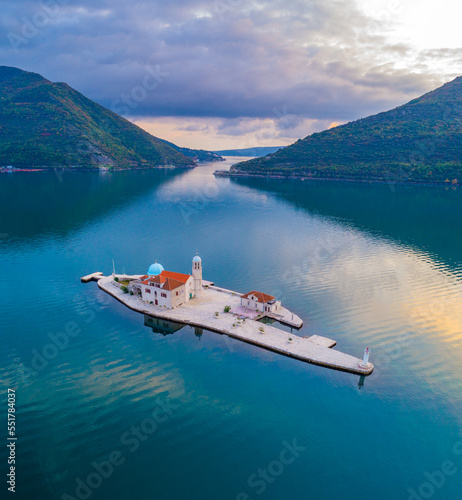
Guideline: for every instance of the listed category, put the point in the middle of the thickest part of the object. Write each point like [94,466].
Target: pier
[201,312]
[91,277]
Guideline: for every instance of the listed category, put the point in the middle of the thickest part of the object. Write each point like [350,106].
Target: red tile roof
[168,279]
[261,297]
[171,284]
[176,276]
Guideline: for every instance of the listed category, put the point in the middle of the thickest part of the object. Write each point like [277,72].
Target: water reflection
[42,203]
[162,326]
[424,216]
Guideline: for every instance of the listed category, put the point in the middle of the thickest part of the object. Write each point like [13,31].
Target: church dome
[155,269]
[196,258]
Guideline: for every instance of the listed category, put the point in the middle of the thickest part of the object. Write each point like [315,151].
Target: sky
[221,74]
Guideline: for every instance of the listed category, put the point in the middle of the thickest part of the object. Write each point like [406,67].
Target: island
[189,299]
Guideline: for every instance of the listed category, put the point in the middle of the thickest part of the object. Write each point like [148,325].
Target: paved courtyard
[201,312]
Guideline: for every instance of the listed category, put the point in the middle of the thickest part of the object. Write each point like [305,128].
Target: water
[196,416]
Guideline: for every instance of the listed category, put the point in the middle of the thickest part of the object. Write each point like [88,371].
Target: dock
[92,277]
[200,312]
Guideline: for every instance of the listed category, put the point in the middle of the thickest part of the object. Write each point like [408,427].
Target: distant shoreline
[94,169]
[102,168]
[228,173]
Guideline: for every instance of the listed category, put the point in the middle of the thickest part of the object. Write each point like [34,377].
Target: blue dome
[196,258]
[155,269]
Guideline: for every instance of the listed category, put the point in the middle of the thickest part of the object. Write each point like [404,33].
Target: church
[169,289]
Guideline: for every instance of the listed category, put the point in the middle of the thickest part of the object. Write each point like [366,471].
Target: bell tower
[197,275]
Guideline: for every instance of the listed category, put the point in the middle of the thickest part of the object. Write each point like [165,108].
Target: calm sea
[110,408]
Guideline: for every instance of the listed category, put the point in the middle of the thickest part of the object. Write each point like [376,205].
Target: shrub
[217,314]
[124,289]
[227,309]
[131,292]
[116,279]
[261,329]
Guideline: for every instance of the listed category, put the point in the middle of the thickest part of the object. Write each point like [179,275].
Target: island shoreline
[311,353]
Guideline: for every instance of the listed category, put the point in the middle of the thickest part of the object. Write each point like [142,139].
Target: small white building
[260,301]
[169,289]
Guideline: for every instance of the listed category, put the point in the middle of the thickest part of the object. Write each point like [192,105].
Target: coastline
[105,169]
[250,175]
[96,169]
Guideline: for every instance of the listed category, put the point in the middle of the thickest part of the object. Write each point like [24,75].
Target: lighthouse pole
[365,362]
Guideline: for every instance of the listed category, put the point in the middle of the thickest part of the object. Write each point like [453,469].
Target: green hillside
[45,124]
[420,141]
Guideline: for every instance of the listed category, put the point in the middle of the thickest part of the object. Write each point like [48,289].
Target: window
[147,290]
[177,293]
[163,295]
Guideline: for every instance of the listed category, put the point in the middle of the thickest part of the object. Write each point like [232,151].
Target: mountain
[257,151]
[45,124]
[198,155]
[420,141]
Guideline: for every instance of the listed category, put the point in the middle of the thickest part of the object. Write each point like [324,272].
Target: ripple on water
[236,403]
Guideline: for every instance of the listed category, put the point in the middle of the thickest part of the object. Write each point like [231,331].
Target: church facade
[169,289]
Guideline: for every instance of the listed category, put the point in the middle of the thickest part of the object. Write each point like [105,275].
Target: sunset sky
[232,73]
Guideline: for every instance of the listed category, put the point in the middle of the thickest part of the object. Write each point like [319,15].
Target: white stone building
[169,289]
[260,301]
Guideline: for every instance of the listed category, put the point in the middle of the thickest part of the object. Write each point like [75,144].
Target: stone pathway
[201,312]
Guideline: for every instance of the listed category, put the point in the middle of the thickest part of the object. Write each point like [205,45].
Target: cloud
[195,127]
[291,62]
[227,133]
